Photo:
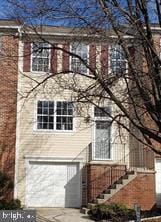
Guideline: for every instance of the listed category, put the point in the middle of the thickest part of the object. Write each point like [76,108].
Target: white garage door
[53,184]
[158,181]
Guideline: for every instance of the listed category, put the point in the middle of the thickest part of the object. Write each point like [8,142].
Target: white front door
[158,181]
[102,140]
[53,185]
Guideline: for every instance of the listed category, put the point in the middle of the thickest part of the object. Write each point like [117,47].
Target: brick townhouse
[8,96]
[61,160]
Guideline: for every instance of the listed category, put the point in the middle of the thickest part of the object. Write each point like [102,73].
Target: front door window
[102,134]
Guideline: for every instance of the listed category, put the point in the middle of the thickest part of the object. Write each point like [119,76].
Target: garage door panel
[71,203]
[53,184]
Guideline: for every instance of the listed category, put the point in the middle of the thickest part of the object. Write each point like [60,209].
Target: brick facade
[140,190]
[99,175]
[8,99]
[84,185]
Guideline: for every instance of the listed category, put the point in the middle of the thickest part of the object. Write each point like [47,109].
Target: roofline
[10,26]
[57,33]
[156,28]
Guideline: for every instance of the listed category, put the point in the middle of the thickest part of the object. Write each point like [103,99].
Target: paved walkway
[61,215]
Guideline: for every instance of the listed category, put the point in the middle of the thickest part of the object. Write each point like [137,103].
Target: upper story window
[118,63]
[40,57]
[102,112]
[81,50]
[55,115]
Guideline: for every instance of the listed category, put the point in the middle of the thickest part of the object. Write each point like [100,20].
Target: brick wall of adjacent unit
[84,186]
[141,190]
[8,97]
[99,175]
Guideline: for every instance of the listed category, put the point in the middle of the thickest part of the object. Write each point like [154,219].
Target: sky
[5,10]
[2,9]
[83,7]
[90,9]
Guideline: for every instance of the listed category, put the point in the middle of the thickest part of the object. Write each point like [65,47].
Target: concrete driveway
[61,215]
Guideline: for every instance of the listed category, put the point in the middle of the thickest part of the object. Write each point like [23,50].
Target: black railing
[121,154]
[98,175]
[104,177]
[103,174]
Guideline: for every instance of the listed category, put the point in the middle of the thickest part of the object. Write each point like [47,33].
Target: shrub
[10,205]
[114,212]
[3,180]
[6,185]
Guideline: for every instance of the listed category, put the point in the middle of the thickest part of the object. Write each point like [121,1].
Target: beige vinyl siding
[39,143]
[44,142]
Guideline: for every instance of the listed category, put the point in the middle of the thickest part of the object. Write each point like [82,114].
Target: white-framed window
[118,62]
[55,115]
[80,49]
[40,57]
[102,112]
[102,133]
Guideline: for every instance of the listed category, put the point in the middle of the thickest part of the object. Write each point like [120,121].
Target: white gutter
[9,26]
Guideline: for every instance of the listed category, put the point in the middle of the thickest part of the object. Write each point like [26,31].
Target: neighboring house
[8,98]
[63,159]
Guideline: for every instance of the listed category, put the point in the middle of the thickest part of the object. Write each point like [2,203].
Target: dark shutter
[65,62]
[131,58]
[104,59]
[132,52]
[92,57]
[26,57]
[53,61]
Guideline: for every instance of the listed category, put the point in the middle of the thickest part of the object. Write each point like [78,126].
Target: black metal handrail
[105,179]
[106,176]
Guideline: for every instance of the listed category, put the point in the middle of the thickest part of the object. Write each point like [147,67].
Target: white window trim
[94,134]
[70,58]
[109,62]
[40,72]
[52,131]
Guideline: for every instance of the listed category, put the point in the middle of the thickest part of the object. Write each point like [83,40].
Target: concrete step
[101,201]
[107,191]
[131,172]
[84,210]
[119,181]
[107,194]
[125,177]
[91,206]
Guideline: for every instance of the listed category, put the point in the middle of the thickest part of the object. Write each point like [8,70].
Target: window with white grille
[118,62]
[81,50]
[102,133]
[55,115]
[40,57]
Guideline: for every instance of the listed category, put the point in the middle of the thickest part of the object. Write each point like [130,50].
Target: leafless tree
[125,23]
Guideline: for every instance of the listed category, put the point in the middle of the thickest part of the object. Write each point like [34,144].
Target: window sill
[39,73]
[36,131]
